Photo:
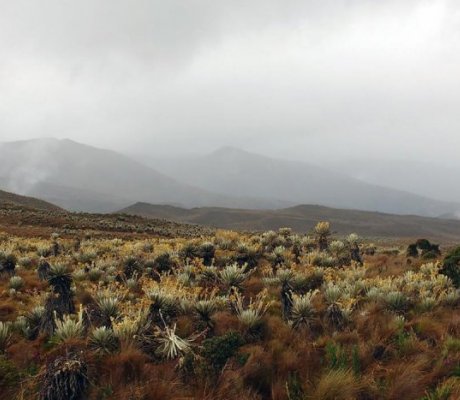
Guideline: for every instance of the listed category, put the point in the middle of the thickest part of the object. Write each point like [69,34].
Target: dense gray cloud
[303,79]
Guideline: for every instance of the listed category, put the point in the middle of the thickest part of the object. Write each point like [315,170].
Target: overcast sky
[302,79]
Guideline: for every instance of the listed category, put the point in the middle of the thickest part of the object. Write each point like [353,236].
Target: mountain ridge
[78,177]
[295,182]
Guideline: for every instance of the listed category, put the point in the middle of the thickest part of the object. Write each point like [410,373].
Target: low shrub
[218,350]
[451,267]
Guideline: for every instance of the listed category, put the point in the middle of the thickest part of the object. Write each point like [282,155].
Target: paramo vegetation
[228,316]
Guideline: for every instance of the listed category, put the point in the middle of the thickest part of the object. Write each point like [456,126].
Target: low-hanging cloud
[303,79]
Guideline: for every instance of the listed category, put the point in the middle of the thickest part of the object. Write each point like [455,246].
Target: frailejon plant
[16,283]
[34,320]
[61,281]
[205,308]
[322,232]
[103,340]
[303,311]
[170,345]
[233,276]
[21,325]
[162,301]
[65,378]
[250,316]
[109,305]
[69,328]
[397,301]
[207,252]
[132,328]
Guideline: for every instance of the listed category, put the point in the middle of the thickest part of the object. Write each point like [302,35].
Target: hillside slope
[302,218]
[29,202]
[22,220]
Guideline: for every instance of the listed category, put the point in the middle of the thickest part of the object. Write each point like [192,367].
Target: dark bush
[248,256]
[94,317]
[7,263]
[190,251]
[132,266]
[55,248]
[412,251]
[158,313]
[60,302]
[34,319]
[451,266]
[164,263]
[43,270]
[207,252]
[218,350]
[435,249]
[430,255]
[428,250]
[151,271]
[307,283]
[335,317]
[355,254]
[423,244]
[223,261]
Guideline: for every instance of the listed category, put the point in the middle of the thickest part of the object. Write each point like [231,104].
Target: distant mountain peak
[82,177]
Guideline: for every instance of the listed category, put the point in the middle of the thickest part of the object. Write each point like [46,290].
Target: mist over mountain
[295,79]
[421,177]
[85,178]
[230,170]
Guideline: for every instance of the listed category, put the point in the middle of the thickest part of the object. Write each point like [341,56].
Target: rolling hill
[24,201]
[302,218]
